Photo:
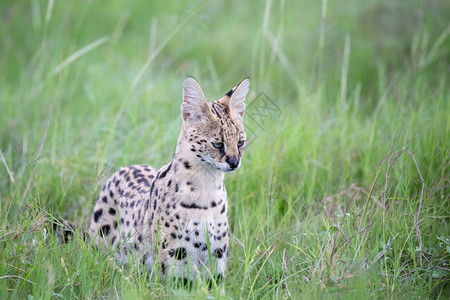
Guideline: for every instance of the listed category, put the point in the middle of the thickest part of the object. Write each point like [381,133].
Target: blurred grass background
[329,201]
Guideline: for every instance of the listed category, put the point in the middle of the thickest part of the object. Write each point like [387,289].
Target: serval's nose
[233,162]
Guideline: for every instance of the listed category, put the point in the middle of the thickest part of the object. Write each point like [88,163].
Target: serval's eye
[241,143]
[218,145]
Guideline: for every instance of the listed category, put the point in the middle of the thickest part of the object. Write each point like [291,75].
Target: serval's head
[215,130]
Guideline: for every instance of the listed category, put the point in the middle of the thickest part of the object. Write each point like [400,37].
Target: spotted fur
[181,209]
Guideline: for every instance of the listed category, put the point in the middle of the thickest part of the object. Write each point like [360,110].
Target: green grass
[329,201]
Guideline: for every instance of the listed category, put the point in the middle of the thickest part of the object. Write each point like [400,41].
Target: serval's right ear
[194,107]
[235,98]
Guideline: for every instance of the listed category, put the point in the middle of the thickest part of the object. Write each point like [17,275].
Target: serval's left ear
[235,98]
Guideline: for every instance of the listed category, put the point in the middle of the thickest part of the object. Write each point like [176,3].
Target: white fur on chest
[202,230]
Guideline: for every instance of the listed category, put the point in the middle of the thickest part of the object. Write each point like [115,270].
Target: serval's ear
[235,98]
[194,107]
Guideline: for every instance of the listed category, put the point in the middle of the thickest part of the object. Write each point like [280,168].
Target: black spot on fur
[111,194]
[153,186]
[105,199]
[197,245]
[167,224]
[213,203]
[169,182]
[223,209]
[97,215]
[222,152]
[179,253]
[112,211]
[163,174]
[185,283]
[144,259]
[192,206]
[104,230]
[137,173]
[66,234]
[177,188]
[218,253]
[230,92]
[173,235]
[187,165]
[217,279]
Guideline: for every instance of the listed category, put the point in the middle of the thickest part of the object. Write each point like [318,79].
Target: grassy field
[344,188]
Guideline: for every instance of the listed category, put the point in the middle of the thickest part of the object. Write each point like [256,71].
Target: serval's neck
[188,167]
